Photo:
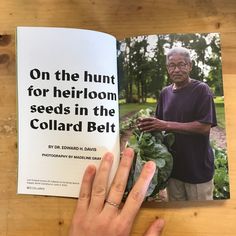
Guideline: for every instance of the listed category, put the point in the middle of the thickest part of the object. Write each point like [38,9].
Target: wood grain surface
[22,215]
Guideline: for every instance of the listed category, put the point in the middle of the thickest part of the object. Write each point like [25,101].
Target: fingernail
[150,165]
[108,156]
[91,169]
[160,223]
[128,152]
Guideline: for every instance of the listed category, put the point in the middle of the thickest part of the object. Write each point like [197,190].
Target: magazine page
[172,112]
[67,107]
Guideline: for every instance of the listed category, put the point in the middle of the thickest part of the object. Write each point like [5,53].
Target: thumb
[155,228]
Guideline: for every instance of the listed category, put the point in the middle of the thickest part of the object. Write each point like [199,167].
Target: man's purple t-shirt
[192,154]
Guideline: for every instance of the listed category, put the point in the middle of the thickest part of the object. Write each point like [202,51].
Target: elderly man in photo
[186,108]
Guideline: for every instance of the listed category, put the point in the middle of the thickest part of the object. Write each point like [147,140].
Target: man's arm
[152,124]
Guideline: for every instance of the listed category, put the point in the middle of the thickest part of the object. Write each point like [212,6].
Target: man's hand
[152,124]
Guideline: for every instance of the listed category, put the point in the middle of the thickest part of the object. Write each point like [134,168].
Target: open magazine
[81,94]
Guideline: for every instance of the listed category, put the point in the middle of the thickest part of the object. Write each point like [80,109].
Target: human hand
[94,215]
[152,124]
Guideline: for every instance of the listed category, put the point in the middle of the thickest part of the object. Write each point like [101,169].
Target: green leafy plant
[152,146]
[221,175]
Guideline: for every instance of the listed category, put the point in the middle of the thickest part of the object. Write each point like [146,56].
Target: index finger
[85,190]
[138,192]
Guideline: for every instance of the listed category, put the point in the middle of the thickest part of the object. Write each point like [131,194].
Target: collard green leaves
[221,175]
[152,146]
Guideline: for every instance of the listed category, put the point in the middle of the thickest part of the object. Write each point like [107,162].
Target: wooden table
[37,215]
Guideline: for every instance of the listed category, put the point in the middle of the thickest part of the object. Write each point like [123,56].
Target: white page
[47,165]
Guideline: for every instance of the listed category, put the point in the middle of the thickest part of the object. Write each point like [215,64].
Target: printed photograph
[172,112]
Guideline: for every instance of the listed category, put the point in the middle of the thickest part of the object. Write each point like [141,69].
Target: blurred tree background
[142,68]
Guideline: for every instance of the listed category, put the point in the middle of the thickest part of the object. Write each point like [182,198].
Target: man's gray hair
[178,50]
